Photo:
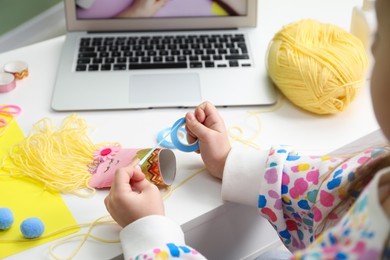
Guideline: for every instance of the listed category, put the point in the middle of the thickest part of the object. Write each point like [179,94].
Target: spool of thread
[319,67]
[18,68]
[7,82]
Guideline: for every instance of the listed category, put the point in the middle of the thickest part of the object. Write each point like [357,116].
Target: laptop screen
[127,9]
[158,15]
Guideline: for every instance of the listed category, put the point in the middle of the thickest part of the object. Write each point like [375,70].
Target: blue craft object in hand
[32,228]
[6,218]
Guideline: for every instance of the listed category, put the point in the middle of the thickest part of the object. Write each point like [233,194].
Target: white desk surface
[199,199]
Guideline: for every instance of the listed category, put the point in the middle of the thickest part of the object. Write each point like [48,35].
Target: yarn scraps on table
[236,133]
[27,199]
[66,160]
[55,156]
[319,67]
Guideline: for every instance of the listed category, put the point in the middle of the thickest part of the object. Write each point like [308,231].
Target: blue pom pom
[32,228]
[6,218]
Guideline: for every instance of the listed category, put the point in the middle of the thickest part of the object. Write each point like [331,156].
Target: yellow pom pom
[318,67]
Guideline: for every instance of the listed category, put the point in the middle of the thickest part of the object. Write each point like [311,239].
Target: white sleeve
[242,174]
[149,232]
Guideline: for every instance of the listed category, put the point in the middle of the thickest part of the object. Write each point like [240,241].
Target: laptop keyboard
[162,52]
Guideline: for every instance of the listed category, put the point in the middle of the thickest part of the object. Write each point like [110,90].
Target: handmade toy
[65,159]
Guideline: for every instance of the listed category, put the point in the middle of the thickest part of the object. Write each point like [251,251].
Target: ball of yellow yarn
[318,67]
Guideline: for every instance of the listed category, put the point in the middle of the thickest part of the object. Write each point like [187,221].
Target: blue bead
[6,218]
[32,228]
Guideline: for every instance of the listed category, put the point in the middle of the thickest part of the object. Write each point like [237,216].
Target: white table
[210,225]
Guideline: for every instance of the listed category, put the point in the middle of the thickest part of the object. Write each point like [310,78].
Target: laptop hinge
[159,31]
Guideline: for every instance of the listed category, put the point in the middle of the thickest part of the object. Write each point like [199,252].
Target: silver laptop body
[152,82]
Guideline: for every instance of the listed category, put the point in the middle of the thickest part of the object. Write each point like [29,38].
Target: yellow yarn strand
[99,221]
[56,157]
[171,190]
[318,67]
[236,133]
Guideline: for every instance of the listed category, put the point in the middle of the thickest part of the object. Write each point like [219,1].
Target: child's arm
[136,204]
[295,193]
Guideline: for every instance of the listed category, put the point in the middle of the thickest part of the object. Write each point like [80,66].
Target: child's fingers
[121,180]
[210,116]
[195,128]
[138,175]
[191,137]
[199,112]
[124,175]
[132,164]
[140,186]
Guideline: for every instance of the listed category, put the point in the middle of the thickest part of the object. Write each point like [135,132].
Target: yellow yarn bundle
[318,67]
[57,157]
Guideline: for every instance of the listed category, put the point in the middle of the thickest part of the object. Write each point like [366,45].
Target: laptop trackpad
[169,89]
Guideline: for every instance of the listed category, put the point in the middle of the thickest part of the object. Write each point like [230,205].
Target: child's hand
[132,196]
[207,125]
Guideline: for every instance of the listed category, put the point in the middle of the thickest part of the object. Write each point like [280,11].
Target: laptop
[135,54]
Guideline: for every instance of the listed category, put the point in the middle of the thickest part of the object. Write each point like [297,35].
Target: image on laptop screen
[103,9]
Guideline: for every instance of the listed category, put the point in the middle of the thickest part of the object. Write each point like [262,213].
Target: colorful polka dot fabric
[361,234]
[170,251]
[299,192]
